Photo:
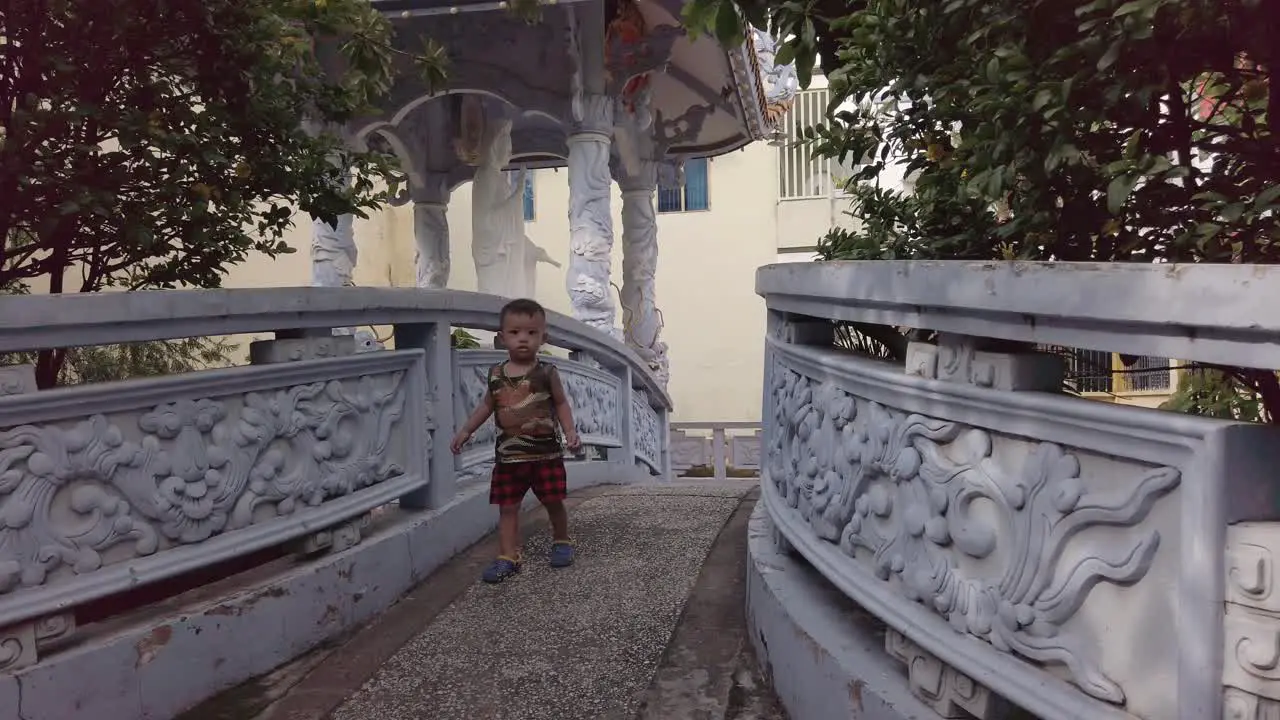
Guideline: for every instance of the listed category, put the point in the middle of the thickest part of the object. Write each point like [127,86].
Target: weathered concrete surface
[823,655]
[561,644]
[313,685]
[661,566]
[708,669]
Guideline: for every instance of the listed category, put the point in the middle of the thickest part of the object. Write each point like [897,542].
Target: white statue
[497,214]
[506,259]
[333,252]
[532,255]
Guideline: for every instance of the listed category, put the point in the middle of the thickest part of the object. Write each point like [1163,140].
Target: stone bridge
[943,532]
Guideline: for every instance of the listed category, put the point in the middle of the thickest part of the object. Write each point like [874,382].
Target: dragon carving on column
[779,81]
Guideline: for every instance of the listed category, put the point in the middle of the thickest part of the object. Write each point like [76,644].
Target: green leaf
[1131,7]
[1266,197]
[728,25]
[1110,56]
[1232,211]
[786,55]
[1118,192]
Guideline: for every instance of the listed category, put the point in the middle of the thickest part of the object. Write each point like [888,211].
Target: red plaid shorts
[512,480]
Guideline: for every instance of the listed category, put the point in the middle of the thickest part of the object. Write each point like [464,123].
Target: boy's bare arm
[479,415]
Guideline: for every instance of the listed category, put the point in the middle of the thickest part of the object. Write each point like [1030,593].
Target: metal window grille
[1098,371]
[694,194]
[799,175]
[1146,374]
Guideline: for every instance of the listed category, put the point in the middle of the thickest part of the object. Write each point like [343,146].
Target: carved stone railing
[719,452]
[1074,558]
[105,488]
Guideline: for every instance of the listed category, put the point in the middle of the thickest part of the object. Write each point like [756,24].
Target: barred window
[692,195]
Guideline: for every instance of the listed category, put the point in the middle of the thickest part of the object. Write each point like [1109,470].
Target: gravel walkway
[580,643]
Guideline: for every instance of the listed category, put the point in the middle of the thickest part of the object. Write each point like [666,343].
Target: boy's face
[522,335]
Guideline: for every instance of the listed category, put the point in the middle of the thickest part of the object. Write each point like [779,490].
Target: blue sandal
[561,554]
[501,569]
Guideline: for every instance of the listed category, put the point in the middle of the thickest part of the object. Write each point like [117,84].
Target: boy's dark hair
[521,306]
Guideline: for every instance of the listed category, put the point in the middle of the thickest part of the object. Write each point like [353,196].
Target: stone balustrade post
[441,422]
[626,420]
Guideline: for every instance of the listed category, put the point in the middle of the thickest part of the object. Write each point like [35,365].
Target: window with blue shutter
[528,197]
[693,195]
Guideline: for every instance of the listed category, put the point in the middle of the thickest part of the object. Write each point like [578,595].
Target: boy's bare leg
[559,518]
[509,531]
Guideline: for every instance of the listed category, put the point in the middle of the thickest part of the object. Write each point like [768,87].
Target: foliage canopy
[1082,130]
[154,143]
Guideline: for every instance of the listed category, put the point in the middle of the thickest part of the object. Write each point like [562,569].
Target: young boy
[527,400]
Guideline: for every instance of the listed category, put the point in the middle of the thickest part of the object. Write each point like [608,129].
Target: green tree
[104,363]
[1213,393]
[154,143]
[1107,130]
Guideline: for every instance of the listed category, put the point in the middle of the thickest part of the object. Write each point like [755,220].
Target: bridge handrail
[1211,313]
[1020,543]
[108,487]
[34,322]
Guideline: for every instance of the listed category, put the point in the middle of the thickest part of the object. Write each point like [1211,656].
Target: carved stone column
[641,322]
[590,222]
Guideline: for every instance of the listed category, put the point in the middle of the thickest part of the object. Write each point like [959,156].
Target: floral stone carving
[897,491]
[76,498]
[595,405]
[644,430]
[473,385]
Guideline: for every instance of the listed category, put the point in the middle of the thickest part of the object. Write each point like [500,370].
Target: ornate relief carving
[633,52]
[1251,664]
[641,320]
[1240,705]
[77,497]
[780,81]
[473,385]
[595,405]
[799,330]
[590,219]
[951,693]
[20,645]
[645,428]
[265,352]
[689,451]
[337,538]
[958,359]
[17,379]
[898,492]
[744,451]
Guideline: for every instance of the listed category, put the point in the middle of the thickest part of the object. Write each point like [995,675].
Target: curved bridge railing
[1075,558]
[106,488]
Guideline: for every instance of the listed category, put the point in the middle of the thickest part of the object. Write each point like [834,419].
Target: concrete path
[649,623]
